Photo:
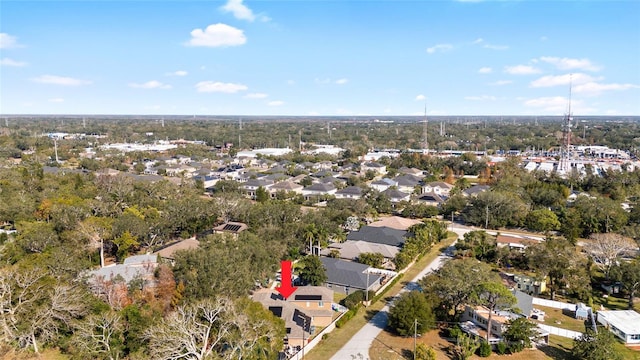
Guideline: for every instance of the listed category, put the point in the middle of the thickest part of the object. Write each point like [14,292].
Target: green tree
[372,259]
[424,352]
[262,194]
[126,244]
[520,331]
[465,347]
[457,282]
[542,220]
[628,273]
[595,346]
[494,295]
[311,271]
[557,259]
[411,312]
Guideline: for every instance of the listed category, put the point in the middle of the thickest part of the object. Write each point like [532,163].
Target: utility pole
[486,220]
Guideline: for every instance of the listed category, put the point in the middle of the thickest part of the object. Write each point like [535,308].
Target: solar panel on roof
[308,297]
[276,310]
[230,227]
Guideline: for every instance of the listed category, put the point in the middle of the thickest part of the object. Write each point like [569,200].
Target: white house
[373,166]
[625,324]
[440,188]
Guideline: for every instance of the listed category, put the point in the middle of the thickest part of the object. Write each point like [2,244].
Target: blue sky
[298,57]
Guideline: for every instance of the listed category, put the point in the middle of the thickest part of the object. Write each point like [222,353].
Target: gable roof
[407,180]
[475,190]
[351,249]
[320,187]
[286,186]
[395,222]
[351,190]
[395,194]
[379,235]
[440,184]
[348,273]
[186,244]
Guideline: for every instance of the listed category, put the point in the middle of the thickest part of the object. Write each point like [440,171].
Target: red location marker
[285,289]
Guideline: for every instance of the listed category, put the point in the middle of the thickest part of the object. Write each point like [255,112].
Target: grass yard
[391,347]
[339,337]
[555,317]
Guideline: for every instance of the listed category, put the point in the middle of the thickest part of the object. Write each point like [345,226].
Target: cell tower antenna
[240,121]
[565,149]
[84,122]
[425,124]
[162,120]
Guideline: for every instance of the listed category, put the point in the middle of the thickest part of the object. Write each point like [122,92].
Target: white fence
[560,332]
[553,304]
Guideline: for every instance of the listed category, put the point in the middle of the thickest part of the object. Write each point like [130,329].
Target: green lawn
[555,317]
[339,337]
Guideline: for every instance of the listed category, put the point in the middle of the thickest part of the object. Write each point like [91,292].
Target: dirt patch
[391,347]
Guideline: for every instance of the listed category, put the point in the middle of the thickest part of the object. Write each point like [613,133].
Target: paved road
[358,347]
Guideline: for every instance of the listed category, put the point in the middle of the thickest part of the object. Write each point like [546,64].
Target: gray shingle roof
[347,273]
[379,235]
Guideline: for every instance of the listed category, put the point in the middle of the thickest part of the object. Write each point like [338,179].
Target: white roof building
[625,324]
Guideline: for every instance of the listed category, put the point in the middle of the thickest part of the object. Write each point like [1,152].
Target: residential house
[380,235]
[252,185]
[351,192]
[352,249]
[168,252]
[625,324]
[440,188]
[407,183]
[411,171]
[395,222]
[318,189]
[395,195]
[377,168]
[230,227]
[515,242]
[346,276]
[474,190]
[431,199]
[286,186]
[383,184]
[308,308]
[529,285]
[525,307]
[475,321]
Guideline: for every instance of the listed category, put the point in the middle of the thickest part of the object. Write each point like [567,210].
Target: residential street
[358,346]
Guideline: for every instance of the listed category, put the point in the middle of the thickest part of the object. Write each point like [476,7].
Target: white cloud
[11,62]
[521,70]
[566,79]
[439,48]
[557,104]
[239,10]
[501,82]
[478,41]
[495,47]
[275,103]
[421,97]
[60,80]
[177,73]
[56,100]
[211,86]
[217,35]
[485,70]
[481,98]
[153,84]
[7,41]
[593,88]
[342,81]
[256,96]
[570,64]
